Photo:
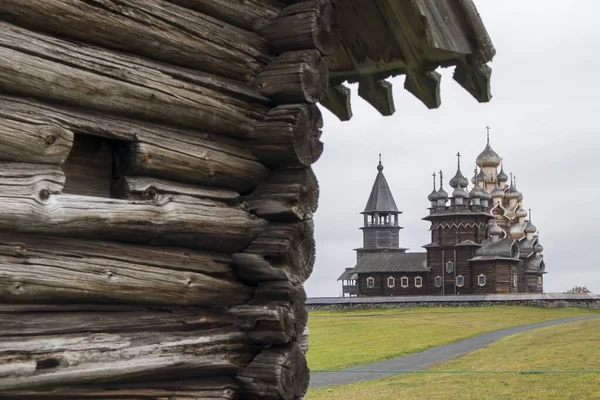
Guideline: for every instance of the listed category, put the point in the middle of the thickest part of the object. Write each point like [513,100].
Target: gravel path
[425,359]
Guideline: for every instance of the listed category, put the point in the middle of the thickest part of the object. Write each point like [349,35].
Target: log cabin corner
[156,190]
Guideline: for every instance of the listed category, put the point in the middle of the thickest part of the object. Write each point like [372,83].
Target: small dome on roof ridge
[538,248]
[502,177]
[522,213]
[530,228]
[494,229]
[497,192]
[485,195]
[460,193]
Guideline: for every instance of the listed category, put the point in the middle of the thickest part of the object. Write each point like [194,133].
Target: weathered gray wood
[303,340]
[47,269]
[145,188]
[425,86]
[176,220]
[295,77]
[85,76]
[288,248]
[222,388]
[34,363]
[475,79]
[21,181]
[195,160]
[178,154]
[266,324]
[286,294]
[378,93]
[155,29]
[290,195]
[27,139]
[305,26]
[248,14]
[288,136]
[337,100]
[276,373]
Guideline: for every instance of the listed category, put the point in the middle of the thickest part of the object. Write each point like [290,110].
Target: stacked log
[156,196]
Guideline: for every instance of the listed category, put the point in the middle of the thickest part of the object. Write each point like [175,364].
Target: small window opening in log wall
[92,166]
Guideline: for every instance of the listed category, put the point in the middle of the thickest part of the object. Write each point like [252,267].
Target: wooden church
[482,240]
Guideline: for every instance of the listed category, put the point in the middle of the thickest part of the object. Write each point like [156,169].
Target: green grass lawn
[346,338]
[572,346]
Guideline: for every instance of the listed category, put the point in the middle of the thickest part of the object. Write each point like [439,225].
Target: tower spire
[488,134]
[530,215]
[433,181]
[441,179]
[458,156]
[380,166]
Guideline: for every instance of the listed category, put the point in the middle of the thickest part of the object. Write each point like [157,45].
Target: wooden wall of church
[156,196]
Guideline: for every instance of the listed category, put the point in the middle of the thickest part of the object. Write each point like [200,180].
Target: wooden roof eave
[412,38]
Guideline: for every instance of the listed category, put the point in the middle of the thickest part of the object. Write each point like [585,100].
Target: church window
[391,282]
[438,281]
[460,281]
[481,280]
[404,282]
[370,282]
[449,267]
[515,280]
[418,281]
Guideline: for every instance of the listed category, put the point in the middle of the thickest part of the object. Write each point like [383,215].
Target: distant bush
[579,289]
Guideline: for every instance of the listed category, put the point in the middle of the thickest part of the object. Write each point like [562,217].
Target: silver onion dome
[522,213]
[512,193]
[488,157]
[497,193]
[459,180]
[530,228]
[494,230]
[485,195]
[460,193]
[538,248]
[502,177]
[433,195]
[441,194]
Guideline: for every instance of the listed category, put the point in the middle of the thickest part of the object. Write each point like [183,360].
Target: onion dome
[497,193]
[530,228]
[512,193]
[433,195]
[494,230]
[441,193]
[488,157]
[485,195]
[460,193]
[475,193]
[538,248]
[502,177]
[459,181]
[522,213]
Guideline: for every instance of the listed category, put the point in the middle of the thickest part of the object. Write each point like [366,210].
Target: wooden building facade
[480,241]
[156,190]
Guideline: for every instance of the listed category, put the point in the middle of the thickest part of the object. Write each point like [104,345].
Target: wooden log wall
[156,196]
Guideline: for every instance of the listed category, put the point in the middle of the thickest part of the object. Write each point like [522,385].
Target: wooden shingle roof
[391,262]
[384,38]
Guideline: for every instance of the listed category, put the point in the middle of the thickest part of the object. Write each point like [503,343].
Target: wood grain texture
[221,388]
[252,15]
[85,76]
[72,360]
[288,136]
[155,150]
[20,181]
[276,373]
[24,138]
[172,220]
[306,25]
[290,195]
[295,77]
[146,188]
[57,270]
[155,29]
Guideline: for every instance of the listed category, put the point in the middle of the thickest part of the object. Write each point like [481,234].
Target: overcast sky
[544,116]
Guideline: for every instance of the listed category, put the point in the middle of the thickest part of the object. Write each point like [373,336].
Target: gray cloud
[543,118]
